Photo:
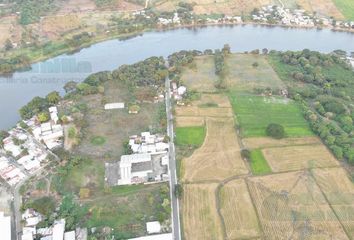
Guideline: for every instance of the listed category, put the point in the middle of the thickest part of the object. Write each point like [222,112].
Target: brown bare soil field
[77,6]
[219,157]
[228,7]
[243,76]
[9,29]
[293,158]
[322,7]
[238,212]
[190,121]
[54,26]
[339,191]
[267,142]
[220,100]
[204,112]
[200,217]
[202,76]
[291,206]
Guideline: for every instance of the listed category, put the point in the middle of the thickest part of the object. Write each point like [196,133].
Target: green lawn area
[346,7]
[254,113]
[126,211]
[98,141]
[259,164]
[190,136]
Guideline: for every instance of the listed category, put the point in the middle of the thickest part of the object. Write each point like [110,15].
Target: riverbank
[34,55]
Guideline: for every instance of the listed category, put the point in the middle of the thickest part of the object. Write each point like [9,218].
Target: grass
[346,7]
[208,105]
[190,136]
[259,164]
[255,113]
[98,141]
[128,208]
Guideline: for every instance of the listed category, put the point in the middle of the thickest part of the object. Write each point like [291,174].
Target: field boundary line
[329,204]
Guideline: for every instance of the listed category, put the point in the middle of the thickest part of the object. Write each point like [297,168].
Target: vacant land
[258,163]
[339,191]
[290,205]
[238,212]
[346,7]
[200,218]
[299,157]
[190,121]
[254,113]
[241,75]
[190,136]
[267,142]
[200,77]
[219,156]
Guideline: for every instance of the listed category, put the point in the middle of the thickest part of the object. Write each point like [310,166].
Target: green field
[346,7]
[190,136]
[259,164]
[254,113]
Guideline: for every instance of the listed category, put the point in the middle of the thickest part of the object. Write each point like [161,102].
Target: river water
[52,74]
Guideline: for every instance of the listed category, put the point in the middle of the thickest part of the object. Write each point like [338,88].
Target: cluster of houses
[148,161]
[51,133]
[178,92]
[55,232]
[297,17]
[168,21]
[21,155]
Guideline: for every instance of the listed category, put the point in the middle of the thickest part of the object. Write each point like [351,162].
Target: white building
[110,106]
[135,168]
[166,236]
[5,227]
[58,229]
[153,227]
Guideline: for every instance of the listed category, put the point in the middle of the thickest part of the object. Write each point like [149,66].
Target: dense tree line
[149,72]
[9,65]
[39,106]
[323,84]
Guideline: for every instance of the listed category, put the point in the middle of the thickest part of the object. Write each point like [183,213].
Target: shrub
[275,130]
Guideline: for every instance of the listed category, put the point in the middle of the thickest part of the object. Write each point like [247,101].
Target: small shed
[153,227]
[110,106]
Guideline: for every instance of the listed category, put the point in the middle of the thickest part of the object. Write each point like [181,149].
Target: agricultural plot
[190,136]
[339,191]
[194,111]
[242,75]
[219,157]
[212,100]
[267,142]
[293,158]
[254,113]
[323,7]
[346,7]
[291,206]
[258,163]
[238,212]
[189,121]
[200,217]
[200,77]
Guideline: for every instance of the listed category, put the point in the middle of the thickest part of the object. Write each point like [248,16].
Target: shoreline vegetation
[23,58]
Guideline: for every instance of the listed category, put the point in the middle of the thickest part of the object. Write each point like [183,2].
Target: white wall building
[134,168]
[5,227]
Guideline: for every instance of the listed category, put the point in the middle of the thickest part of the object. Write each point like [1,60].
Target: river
[52,74]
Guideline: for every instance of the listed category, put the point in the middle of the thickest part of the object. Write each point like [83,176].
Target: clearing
[201,76]
[241,75]
[238,212]
[293,158]
[254,113]
[291,204]
[200,217]
[339,191]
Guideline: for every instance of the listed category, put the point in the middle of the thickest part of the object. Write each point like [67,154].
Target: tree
[43,117]
[178,190]
[70,86]
[255,64]
[53,97]
[275,130]
[226,49]
[8,45]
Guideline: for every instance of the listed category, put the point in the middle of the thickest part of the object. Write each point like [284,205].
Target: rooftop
[142,166]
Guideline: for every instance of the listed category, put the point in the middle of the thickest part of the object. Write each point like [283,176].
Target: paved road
[176,227]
